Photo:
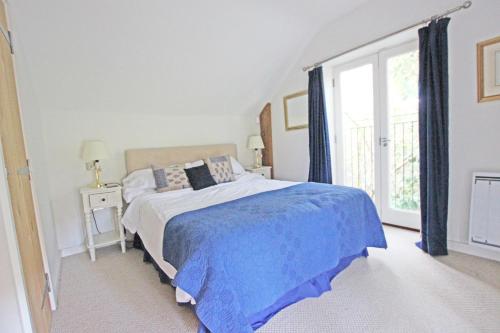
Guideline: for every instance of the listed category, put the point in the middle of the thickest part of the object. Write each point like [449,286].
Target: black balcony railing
[359,155]
[403,168]
[404,175]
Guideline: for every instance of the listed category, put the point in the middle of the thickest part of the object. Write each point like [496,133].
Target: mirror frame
[285,105]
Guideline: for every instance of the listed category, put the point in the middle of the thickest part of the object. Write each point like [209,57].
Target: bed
[241,251]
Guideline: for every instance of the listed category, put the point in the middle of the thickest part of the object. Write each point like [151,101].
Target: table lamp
[255,142]
[93,152]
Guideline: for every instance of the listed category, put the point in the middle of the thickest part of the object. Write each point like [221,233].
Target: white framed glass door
[356,125]
[400,202]
[376,131]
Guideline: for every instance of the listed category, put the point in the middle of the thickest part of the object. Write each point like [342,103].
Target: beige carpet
[398,290]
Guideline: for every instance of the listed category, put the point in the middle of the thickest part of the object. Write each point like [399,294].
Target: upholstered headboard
[143,158]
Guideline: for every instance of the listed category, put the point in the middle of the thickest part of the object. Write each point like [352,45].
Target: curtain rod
[465,5]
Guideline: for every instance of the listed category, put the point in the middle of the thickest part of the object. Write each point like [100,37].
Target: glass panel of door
[376,126]
[357,105]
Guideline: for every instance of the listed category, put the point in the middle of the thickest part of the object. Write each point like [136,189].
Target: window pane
[356,99]
[402,83]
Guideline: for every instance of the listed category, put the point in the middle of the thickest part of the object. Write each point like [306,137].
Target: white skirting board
[69,251]
[55,278]
[475,250]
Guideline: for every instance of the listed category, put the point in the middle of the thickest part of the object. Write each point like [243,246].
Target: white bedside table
[263,170]
[100,198]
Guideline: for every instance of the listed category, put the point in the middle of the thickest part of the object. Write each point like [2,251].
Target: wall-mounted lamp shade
[94,150]
[255,142]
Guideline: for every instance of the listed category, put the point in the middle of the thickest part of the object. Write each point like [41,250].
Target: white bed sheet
[148,214]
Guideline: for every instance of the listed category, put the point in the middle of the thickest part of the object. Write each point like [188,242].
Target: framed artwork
[296,111]
[488,70]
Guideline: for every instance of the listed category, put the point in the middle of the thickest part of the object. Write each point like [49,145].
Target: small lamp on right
[255,142]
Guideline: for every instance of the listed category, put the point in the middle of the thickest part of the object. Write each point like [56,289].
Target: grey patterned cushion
[220,168]
[170,178]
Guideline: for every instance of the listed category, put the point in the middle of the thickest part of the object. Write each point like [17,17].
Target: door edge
[13,249]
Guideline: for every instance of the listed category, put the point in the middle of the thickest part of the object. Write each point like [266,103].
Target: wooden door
[20,190]
[266,132]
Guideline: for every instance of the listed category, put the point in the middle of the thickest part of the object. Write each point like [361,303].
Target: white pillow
[143,181]
[137,183]
[238,169]
[129,194]
[194,164]
[140,179]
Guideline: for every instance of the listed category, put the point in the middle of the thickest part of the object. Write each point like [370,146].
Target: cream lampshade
[93,152]
[255,142]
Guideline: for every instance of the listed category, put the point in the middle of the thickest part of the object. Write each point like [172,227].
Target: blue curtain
[320,166]
[433,136]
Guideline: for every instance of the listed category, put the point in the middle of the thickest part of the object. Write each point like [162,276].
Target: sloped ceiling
[164,56]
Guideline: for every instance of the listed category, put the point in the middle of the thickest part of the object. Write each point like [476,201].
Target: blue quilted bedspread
[239,258]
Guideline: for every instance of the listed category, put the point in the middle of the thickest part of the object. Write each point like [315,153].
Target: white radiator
[485,209]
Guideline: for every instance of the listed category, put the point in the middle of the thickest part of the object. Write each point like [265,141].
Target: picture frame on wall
[296,111]
[488,70]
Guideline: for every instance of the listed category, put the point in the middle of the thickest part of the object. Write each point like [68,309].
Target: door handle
[24,171]
[384,141]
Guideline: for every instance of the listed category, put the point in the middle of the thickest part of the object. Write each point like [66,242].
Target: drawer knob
[103,199]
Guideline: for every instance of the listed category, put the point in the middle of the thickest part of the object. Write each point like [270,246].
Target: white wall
[10,318]
[182,57]
[65,131]
[474,134]
[143,79]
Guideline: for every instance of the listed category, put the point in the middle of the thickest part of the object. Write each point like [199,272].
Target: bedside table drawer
[261,172]
[102,200]
[266,172]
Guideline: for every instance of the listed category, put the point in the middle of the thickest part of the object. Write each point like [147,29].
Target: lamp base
[258,158]
[97,183]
